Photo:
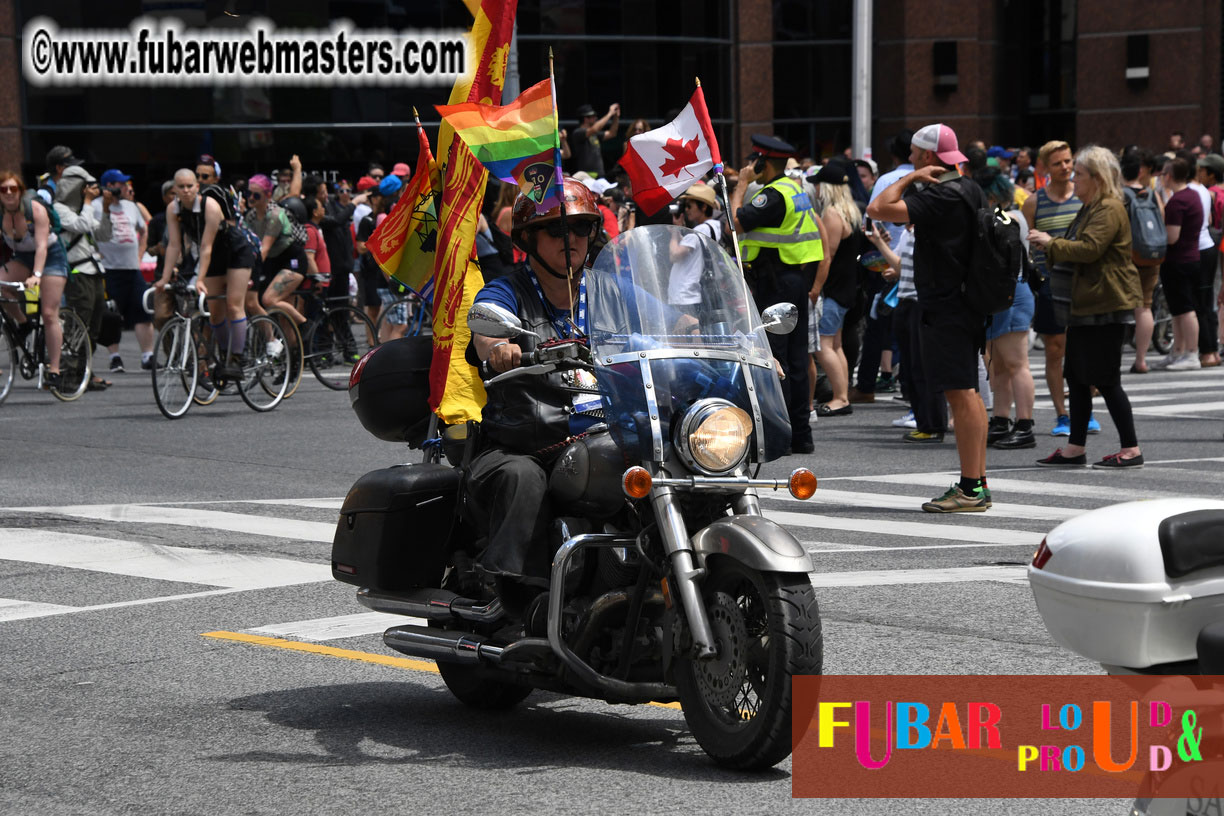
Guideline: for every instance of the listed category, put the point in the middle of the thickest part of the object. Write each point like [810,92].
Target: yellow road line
[348,654]
[315,648]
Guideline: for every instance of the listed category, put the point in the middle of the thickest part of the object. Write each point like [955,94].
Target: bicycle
[23,348]
[335,336]
[413,309]
[186,355]
[1162,320]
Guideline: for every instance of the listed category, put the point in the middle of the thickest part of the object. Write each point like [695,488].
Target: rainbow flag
[403,245]
[517,143]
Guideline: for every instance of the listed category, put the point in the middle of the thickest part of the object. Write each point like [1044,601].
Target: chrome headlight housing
[712,436]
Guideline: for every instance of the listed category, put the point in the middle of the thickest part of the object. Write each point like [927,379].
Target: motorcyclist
[527,420]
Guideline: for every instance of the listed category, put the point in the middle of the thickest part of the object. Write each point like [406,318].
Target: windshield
[672,322]
[676,287]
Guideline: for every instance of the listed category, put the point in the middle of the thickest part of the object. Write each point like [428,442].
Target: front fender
[755,542]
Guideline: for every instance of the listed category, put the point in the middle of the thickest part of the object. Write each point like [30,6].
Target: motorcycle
[1139,588]
[667,583]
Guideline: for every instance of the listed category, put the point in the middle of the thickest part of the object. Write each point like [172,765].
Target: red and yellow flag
[456,393]
[403,244]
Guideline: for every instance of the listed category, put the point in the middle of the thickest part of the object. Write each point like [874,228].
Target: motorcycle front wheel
[767,629]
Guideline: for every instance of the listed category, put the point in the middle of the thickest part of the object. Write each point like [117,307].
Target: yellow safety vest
[798,238]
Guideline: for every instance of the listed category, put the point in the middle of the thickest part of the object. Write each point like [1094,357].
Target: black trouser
[790,284]
[877,336]
[929,407]
[1094,355]
[509,495]
[1205,302]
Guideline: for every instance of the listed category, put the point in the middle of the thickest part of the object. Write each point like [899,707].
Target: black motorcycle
[667,583]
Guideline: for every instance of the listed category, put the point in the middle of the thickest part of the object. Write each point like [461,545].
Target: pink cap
[940,140]
[401,169]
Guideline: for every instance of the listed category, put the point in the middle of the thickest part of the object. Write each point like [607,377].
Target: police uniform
[781,245]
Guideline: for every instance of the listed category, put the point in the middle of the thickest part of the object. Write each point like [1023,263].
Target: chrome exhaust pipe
[441,645]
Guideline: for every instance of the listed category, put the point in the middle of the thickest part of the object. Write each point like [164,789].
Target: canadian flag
[666,161]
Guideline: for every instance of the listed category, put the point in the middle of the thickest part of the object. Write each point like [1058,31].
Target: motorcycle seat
[1192,541]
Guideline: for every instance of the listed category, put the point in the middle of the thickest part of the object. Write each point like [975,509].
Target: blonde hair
[1051,147]
[837,197]
[1103,166]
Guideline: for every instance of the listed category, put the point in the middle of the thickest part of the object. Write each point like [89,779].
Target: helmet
[579,203]
[296,208]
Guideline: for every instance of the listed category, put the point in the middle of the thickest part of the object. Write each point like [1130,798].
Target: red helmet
[579,203]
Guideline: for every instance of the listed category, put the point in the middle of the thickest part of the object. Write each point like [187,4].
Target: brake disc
[722,678]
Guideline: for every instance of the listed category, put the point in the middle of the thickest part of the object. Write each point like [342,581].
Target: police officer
[780,238]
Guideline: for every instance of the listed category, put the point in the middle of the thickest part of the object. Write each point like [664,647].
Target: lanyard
[563,326]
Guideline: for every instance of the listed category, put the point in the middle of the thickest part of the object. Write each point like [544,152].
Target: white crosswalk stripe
[876,518]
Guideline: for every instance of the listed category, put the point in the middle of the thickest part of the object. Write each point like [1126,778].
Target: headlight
[713,436]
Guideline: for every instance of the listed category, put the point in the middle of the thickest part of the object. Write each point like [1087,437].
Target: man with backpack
[943,206]
[122,239]
[1149,242]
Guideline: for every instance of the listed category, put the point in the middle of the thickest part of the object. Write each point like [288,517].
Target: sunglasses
[10,188]
[376,178]
[345,190]
[580,229]
[255,195]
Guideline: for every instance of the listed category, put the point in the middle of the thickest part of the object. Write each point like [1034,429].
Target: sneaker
[1165,361]
[1016,440]
[1056,459]
[275,348]
[51,380]
[986,497]
[906,421]
[116,366]
[147,363]
[1186,362]
[1094,427]
[885,384]
[1062,427]
[1115,462]
[922,436]
[998,428]
[955,501]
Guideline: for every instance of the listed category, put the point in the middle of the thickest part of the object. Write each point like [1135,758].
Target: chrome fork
[685,572]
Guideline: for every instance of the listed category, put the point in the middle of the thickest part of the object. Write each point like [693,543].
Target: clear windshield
[671,322]
[676,287]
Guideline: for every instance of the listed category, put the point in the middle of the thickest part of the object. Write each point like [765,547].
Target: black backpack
[998,258]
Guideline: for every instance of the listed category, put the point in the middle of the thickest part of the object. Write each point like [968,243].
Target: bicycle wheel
[293,347]
[411,309]
[75,357]
[1162,319]
[205,392]
[8,363]
[175,368]
[336,343]
[265,366]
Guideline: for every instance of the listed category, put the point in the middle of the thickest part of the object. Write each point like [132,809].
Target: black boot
[1021,437]
[999,428]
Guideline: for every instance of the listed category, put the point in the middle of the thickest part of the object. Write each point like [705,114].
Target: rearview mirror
[492,320]
[780,318]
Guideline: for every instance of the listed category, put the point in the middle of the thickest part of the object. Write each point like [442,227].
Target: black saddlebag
[395,528]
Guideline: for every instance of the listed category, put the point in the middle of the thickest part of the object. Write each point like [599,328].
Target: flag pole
[722,188]
[569,268]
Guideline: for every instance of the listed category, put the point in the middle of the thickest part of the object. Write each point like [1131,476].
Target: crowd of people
[876,260]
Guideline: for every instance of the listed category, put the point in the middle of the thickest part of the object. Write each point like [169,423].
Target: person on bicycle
[286,268]
[205,216]
[526,419]
[38,260]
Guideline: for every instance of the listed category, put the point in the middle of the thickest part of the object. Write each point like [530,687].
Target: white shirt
[684,285]
[122,251]
[1205,241]
[360,212]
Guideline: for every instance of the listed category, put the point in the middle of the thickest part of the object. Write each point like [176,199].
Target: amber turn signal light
[802,483]
[637,482]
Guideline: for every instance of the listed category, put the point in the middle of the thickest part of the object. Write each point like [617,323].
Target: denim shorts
[832,318]
[56,264]
[398,314]
[1017,318]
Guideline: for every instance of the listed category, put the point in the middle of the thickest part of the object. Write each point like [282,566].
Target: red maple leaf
[682,155]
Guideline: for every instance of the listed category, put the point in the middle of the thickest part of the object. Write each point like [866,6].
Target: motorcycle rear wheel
[475,689]
[767,629]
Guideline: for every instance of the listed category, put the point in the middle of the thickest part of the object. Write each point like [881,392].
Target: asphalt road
[154,664]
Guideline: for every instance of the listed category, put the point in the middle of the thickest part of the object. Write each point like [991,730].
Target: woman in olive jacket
[1104,292]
